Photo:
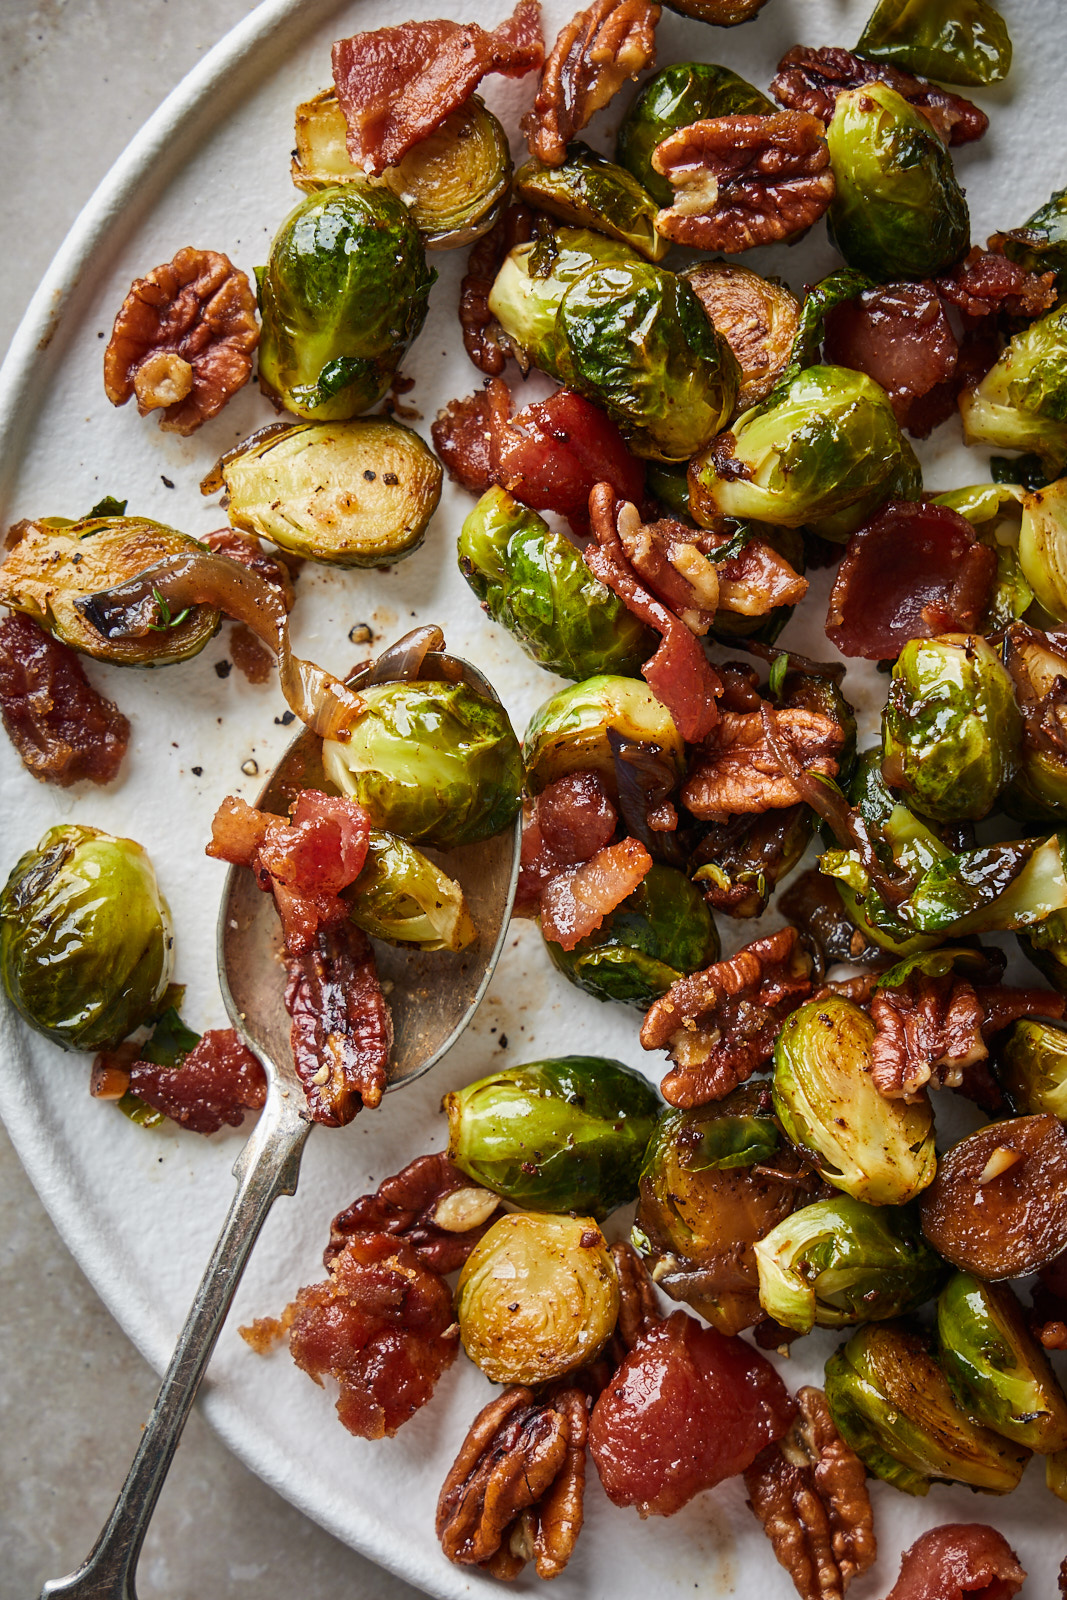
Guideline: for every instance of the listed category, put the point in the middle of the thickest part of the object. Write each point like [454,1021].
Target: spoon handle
[268,1166]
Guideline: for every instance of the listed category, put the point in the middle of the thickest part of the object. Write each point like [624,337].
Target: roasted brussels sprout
[1043,547]
[1038,668]
[589,191]
[1032,1068]
[570,732]
[452,181]
[687,92]
[561,1135]
[1021,403]
[533,580]
[875,1149]
[352,494]
[1040,245]
[85,938]
[951,729]
[341,298]
[892,1403]
[533,279]
[898,211]
[994,511]
[660,932]
[56,563]
[1046,946]
[537,1298]
[956,41]
[841,1261]
[433,762]
[402,897]
[756,316]
[739,863]
[824,444]
[995,1367]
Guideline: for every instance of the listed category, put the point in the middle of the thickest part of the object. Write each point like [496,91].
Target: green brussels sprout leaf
[956,41]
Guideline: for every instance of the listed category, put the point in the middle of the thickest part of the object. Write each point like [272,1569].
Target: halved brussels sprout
[452,181]
[739,863]
[570,731]
[1038,668]
[1040,245]
[85,938]
[757,317]
[1043,547]
[824,444]
[675,97]
[56,563]
[995,1367]
[897,211]
[956,41]
[1046,946]
[1032,1068]
[341,298]
[875,1149]
[401,896]
[660,932]
[1021,403]
[351,494]
[528,289]
[533,580]
[433,762]
[537,1298]
[841,1261]
[892,1403]
[589,191]
[561,1135]
[951,728]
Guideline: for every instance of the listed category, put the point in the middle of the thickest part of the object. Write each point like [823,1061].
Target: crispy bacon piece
[246,548]
[811,80]
[382,1326]
[251,659]
[342,1031]
[956,1560]
[737,771]
[461,435]
[914,571]
[575,902]
[396,85]
[687,1408]
[411,1205]
[217,1082]
[719,1025]
[899,335]
[483,337]
[63,729]
[986,282]
[566,824]
[590,61]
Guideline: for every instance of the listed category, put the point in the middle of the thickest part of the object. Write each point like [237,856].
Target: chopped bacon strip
[566,824]
[408,1206]
[811,80]
[899,335]
[956,1560]
[986,282]
[590,61]
[342,1031]
[461,435]
[737,772]
[63,729]
[396,85]
[719,1025]
[246,548]
[914,571]
[575,903]
[217,1082]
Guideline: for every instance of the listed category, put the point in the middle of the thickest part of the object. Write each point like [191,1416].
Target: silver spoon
[432,998]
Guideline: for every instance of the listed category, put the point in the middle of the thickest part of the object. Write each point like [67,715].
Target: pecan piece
[515,1490]
[809,1491]
[483,338]
[590,61]
[430,1204]
[183,340]
[738,772]
[719,1025]
[744,180]
[811,80]
[638,1307]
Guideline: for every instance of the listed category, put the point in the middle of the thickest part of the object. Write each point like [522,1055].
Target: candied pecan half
[811,80]
[590,61]
[483,338]
[738,772]
[342,1031]
[183,340]
[63,729]
[744,180]
[430,1204]
[516,1487]
[638,1307]
[719,1025]
[810,1493]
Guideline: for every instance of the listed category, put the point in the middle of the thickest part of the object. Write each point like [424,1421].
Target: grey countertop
[77,79]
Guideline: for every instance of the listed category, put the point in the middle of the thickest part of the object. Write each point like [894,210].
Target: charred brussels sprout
[1040,245]
[687,92]
[825,444]
[660,932]
[898,211]
[401,896]
[841,1261]
[957,41]
[892,1403]
[85,938]
[537,1298]
[527,291]
[1032,1068]
[572,731]
[875,1149]
[1038,668]
[433,762]
[756,316]
[1021,403]
[352,494]
[588,191]
[997,1370]
[1043,547]
[57,563]
[561,1135]
[533,580]
[951,728]
[341,298]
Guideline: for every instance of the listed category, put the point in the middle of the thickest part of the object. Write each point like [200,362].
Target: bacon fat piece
[396,85]
[899,335]
[959,1561]
[63,729]
[216,1083]
[575,902]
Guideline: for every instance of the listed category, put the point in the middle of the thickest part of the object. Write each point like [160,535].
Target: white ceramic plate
[140,1209]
